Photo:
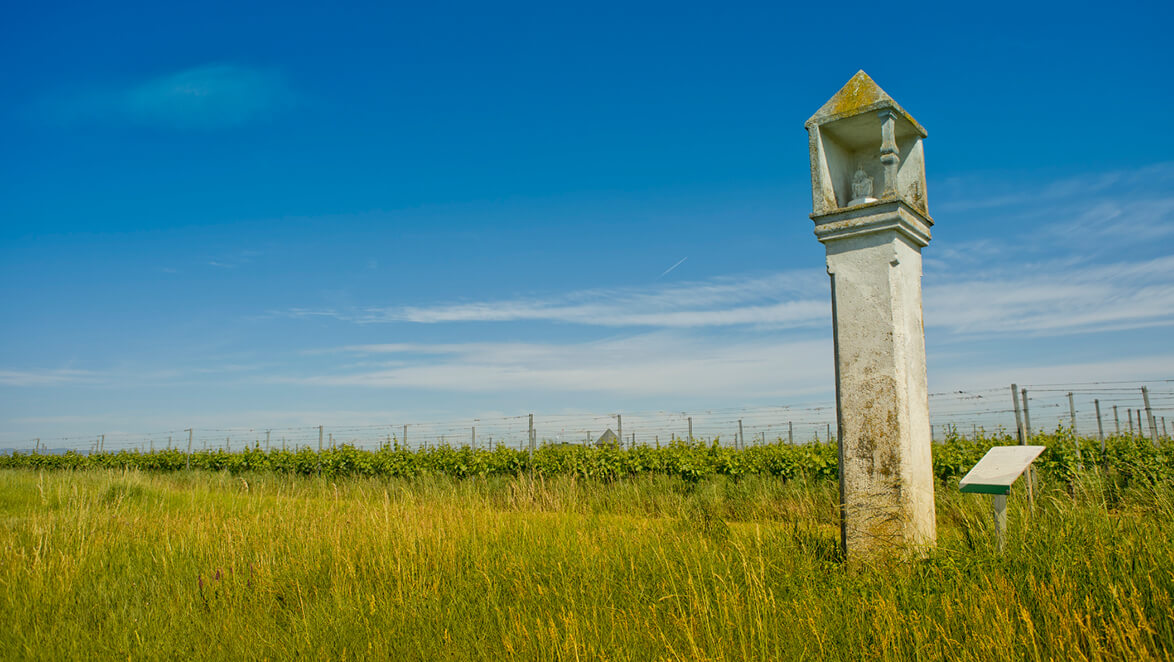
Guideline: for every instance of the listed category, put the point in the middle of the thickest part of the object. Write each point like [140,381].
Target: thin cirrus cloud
[664,362]
[1088,214]
[787,299]
[213,96]
[45,377]
[1106,277]
[978,192]
[675,361]
[1054,297]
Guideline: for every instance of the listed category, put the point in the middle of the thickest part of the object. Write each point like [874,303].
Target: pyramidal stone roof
[859,95]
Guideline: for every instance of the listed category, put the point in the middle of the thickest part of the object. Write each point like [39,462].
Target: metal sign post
[994,474]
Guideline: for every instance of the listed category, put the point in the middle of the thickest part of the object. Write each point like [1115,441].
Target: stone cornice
[873,217]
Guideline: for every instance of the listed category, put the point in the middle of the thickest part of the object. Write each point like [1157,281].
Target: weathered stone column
[868,195]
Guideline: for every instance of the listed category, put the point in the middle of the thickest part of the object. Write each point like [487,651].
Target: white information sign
[1000,467]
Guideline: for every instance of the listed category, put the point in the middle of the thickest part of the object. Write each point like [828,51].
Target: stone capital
[873,217]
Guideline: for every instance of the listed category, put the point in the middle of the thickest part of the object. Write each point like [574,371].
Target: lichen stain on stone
[881,517]
[918,197]
[858,93]
[878,432]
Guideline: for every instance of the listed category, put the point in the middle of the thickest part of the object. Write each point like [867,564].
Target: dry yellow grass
[109,564]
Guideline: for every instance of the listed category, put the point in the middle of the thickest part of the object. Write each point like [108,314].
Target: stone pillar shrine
[870,213]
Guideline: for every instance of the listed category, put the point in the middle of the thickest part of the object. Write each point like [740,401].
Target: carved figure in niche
[861,187]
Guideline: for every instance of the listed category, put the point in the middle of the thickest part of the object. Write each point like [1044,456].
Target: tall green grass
[126,564]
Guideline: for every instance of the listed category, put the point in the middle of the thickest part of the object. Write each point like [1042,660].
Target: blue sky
[263,215]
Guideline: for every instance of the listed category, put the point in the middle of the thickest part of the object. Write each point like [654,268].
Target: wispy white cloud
[788,299]
[1097,277]
[1055,298]
[1092,215]
[131,374]
[800,313]
[45,377]
[212,96]
[979,192]
[951,258]
[1125,368]
[657,363]
[1116,219]
[789,313]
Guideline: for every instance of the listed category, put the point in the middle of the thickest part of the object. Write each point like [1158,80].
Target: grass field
[127,564]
